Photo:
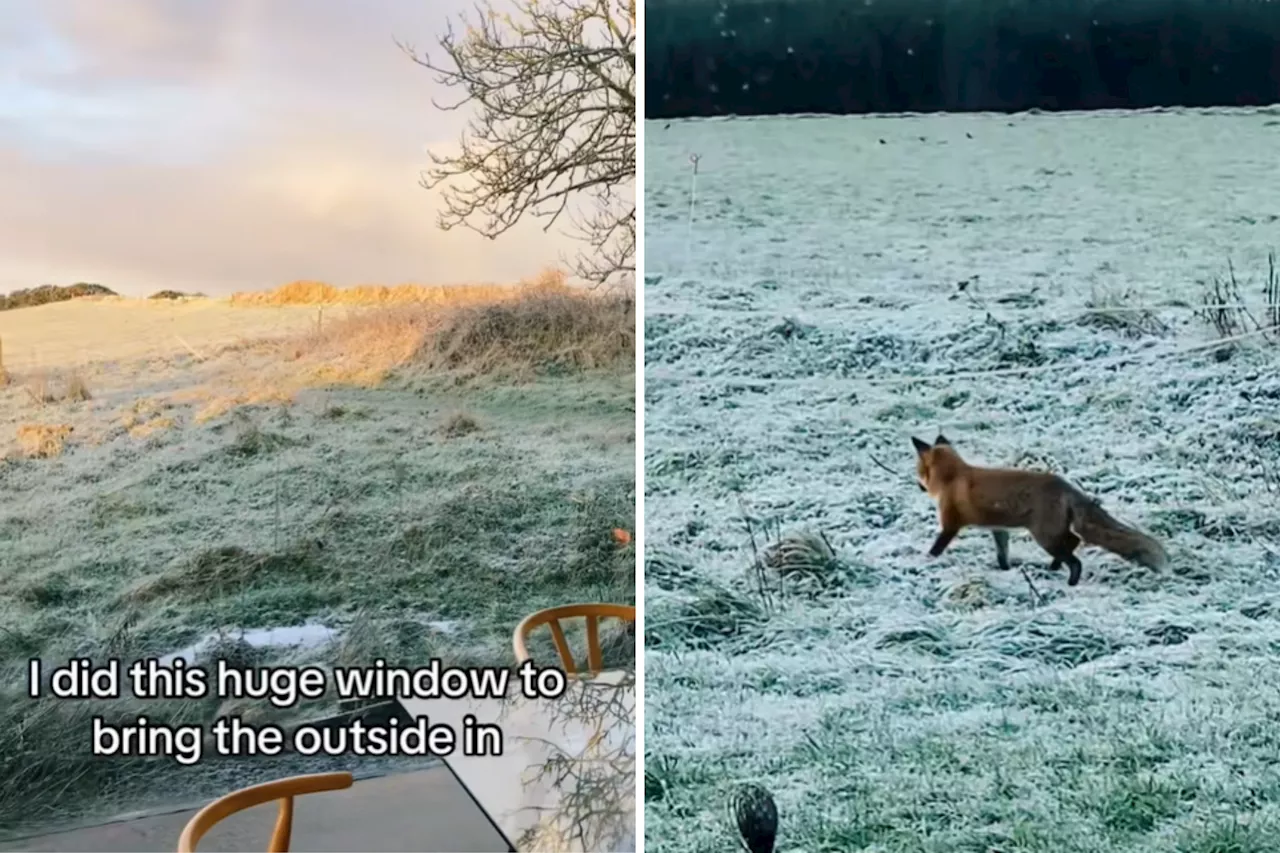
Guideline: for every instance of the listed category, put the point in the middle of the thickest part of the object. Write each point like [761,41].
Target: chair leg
[595,657]
[283,833]
[562,646]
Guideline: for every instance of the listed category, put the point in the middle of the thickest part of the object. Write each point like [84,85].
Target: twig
[758,561]
[693,195]
[885,467]
[1272,292]
[190,348]
[1035,593]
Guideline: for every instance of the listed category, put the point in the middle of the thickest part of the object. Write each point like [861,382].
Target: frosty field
[892,702]
[252,484]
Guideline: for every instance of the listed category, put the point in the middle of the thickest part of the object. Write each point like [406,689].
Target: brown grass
[320,293]
[151,427]
[43,441]
[217,404]
[541,330]
[534,329]
[77,390]
[39,389]
[44,387]
[146,417]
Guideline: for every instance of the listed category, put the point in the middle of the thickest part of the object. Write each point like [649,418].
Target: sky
[222,145]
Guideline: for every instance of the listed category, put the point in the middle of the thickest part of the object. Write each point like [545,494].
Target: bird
[756,815]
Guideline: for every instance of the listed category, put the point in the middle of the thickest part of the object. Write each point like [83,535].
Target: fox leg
[1067,555]
[1002,548]
[950,525]
[940,544]
[1062,549]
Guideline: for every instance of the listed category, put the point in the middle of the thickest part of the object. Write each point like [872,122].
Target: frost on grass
[203,508]
[797,635]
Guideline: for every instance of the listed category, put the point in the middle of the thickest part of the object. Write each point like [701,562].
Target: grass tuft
[43,441]
[217,571]
[459,424]
[1111,310]
[715,616]
[544,331]
[529,332]
[806,556]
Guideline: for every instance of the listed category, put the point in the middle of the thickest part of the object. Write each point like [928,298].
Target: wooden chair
[283,790]
[551,617]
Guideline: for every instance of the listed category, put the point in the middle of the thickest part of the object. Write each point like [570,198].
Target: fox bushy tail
[1096,527]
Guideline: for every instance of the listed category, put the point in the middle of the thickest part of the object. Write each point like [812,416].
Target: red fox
[1056,513]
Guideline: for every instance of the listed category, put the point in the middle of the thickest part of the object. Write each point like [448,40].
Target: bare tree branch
[551,85]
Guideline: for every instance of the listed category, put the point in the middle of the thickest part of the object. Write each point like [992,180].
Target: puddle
[311,635]
[308,636]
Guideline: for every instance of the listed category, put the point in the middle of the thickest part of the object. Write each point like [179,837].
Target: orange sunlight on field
[321,293]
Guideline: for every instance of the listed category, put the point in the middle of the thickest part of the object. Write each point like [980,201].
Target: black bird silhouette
[882,142]
[757,817]
[970,135]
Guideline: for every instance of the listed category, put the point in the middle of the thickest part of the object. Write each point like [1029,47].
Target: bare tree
[552,87]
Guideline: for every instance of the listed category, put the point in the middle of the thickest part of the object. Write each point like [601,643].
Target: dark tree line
[851,56]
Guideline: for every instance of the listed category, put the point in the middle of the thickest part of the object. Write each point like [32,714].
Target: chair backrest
[551,617]
[283,790]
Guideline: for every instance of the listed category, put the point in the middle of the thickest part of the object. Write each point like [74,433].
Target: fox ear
[941,439]
[921,446]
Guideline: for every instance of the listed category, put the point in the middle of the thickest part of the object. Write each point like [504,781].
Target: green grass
[412,540]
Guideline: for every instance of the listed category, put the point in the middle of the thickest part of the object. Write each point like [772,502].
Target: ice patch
[448,627]
[307,636]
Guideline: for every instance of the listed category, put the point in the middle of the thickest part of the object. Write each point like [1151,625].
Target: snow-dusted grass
[897,703]
[399,512]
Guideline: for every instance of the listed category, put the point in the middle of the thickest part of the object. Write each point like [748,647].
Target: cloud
[270,216]
[144,41]
[229,145]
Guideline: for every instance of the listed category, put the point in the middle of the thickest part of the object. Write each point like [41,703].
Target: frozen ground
[236,486]
[110,329]
[897,703]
